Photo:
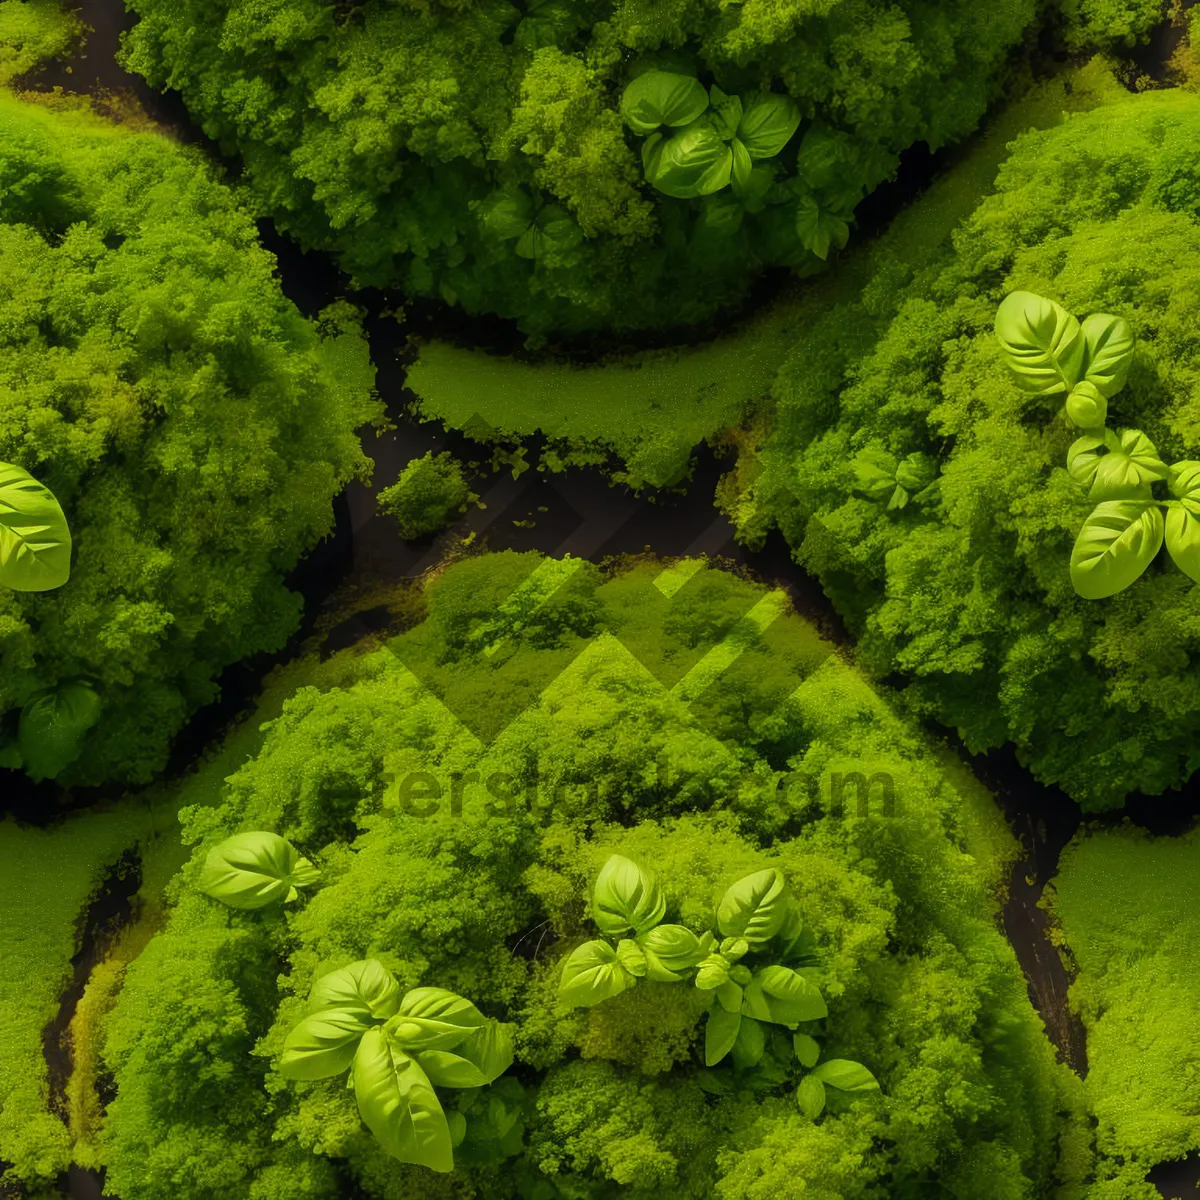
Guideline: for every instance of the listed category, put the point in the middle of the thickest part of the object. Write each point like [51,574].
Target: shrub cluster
[193,425]
[966,589]
[479,152]
[458,794]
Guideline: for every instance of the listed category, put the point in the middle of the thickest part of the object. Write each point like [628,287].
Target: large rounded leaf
[53,725]
[398,1104]
[720,1033]
[810,1097]
[434,1019]
[670,950]
[252,870]
[1126,473]
[1108,343]
[366,985]
[784,997]
[662,98]
[323,1044]
[693,162]
[846,1076]
[591,975]
[767,124]
[626,897]
[750,1045]
[1042,343]
[1116,544]
[35,543]
[755,907]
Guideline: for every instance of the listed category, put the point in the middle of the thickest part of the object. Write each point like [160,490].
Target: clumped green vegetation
[639,416]
[32,31]
[966,590]
[429,494]
[194,427]
[481,153]
[1129,910]
[460,791]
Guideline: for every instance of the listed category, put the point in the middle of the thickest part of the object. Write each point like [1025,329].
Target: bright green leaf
[720,1033]
[1184,480]
[670,950]
[767,124]
[729,996]
[631,957]
[1042,343]
[1109,352]
[1127,473]
[750,1044]
[252,870]
[713,973]
[1183,541]
[479,1059]
[662,98]
[755,907]
[810,1097]
[398,1104]
[324,1043]
[433,1019]
[846,1076]
[1116,544]
[875,473]
[743,167]
[35,543]
[626,897]
[367,985]
[693,162]
[806,1048]
[592,974]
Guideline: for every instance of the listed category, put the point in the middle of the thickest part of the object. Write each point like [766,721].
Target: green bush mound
[428,496]
[459,790]
[930,496]
[480,153]
[1128,906]
[193,425]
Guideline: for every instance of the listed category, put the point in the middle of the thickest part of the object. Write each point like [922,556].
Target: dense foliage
[193,425]
[966,590]
[478,151]
[431,491]
[1129,908]
[460,790]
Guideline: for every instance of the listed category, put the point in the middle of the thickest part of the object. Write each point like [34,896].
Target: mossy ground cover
[1128,906]
[642,415]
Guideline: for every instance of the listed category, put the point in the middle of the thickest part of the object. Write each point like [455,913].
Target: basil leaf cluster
[1049,352]
[713,141]
[397,1049]
[757,911]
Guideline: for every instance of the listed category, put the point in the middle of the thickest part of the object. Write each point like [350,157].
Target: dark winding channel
[576,512]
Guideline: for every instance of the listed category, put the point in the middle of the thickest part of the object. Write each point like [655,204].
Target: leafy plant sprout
[1049,353]
[397,1048]
[757,912]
